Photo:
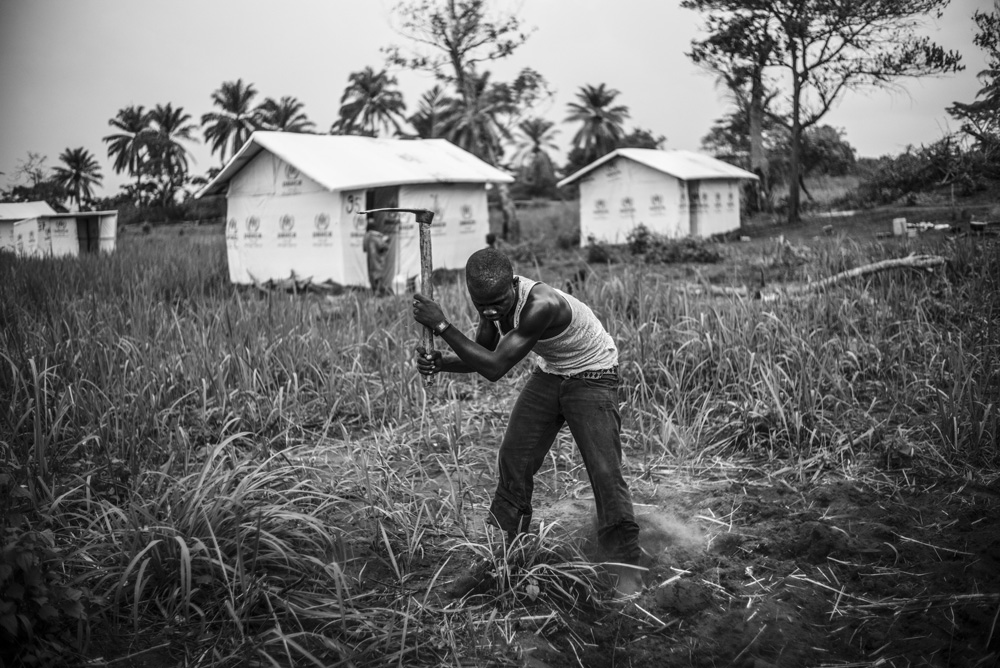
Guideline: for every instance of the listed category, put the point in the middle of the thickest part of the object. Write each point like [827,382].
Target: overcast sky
[67,66]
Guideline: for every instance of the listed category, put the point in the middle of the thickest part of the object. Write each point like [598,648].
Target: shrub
[41,620]
[663,250]
[568,240]
[687,249]
[898,179]
[639,239]
[599,253]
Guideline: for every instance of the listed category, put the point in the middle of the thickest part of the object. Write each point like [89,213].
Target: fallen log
[920,262]
[927,262]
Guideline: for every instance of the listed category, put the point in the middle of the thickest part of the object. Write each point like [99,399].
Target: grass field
[200,475]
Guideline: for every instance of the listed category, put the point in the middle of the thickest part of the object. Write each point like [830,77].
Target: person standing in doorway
[376,245]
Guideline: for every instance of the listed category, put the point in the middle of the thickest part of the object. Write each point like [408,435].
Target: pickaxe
[424,218]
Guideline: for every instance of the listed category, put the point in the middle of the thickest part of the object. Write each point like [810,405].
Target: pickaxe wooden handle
[424,218]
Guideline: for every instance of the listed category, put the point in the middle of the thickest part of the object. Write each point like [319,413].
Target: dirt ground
[757,573]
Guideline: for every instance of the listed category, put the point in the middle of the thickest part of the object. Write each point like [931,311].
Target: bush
[658,249]
[688,249]
[599,253]
[639,240]
[568,240]
[899,179]
[41,620]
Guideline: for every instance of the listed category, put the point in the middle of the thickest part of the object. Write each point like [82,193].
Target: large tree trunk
[795,158]
[758,159]
[511,231]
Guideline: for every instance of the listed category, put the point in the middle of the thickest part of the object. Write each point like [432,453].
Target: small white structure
[293,203]
[35,229]
[673,193]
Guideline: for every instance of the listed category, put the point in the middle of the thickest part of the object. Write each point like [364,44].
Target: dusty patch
[757,573]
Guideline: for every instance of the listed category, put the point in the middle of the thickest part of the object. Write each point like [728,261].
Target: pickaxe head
[424,216]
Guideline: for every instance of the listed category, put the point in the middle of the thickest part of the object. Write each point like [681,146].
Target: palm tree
[230,127]
[602,128]
[128,146]
[284,115]
[431,109]
[78,174]
[532,160]
[370,104]
[168,157]
[473,120]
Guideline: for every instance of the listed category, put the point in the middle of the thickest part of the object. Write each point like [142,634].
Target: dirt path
[762,573]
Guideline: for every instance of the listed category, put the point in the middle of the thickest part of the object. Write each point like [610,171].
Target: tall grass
[264,475]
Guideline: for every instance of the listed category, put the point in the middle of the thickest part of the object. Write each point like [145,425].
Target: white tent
[673,193]
[80,232]
[34,228]
[19,226]
[293,203]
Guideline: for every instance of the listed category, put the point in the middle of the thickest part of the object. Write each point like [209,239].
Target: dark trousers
[590,407]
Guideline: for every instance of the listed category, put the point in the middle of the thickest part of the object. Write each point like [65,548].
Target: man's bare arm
[494,363]
[487,336]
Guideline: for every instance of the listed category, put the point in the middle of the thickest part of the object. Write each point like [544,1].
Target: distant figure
[491,240]
[376,246]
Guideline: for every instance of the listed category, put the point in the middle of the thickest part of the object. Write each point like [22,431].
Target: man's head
[490,279]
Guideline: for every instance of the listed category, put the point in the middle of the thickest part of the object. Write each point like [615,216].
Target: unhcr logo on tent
[286,228]
[292,177]
[600,207]
[60,227]
[231,229]
[322,233]
[467,218]
[253,229]
[628,206]
[656,204]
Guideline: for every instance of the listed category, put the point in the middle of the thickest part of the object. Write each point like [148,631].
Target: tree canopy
[284,115]
[452,39]
[371,105]
[228,128]
[980,118]
[78,174]
[601,122]
[818,50]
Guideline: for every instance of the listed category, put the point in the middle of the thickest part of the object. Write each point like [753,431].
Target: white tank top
[583,346]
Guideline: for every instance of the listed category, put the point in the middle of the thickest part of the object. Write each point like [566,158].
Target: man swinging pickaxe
[424,219]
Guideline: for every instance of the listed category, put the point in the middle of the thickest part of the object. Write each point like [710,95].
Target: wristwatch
[440,328]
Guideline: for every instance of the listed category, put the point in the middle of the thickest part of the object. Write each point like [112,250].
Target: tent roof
[684,165]
[83,214]
[22,210]
[342,162]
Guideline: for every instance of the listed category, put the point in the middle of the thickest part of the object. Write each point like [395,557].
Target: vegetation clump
[42,618]
[658,249]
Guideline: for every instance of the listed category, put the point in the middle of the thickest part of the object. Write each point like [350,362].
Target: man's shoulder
[543,296]
[538,289]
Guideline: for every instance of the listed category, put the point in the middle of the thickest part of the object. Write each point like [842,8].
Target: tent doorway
[694,206]
[382,238]
[88,231]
